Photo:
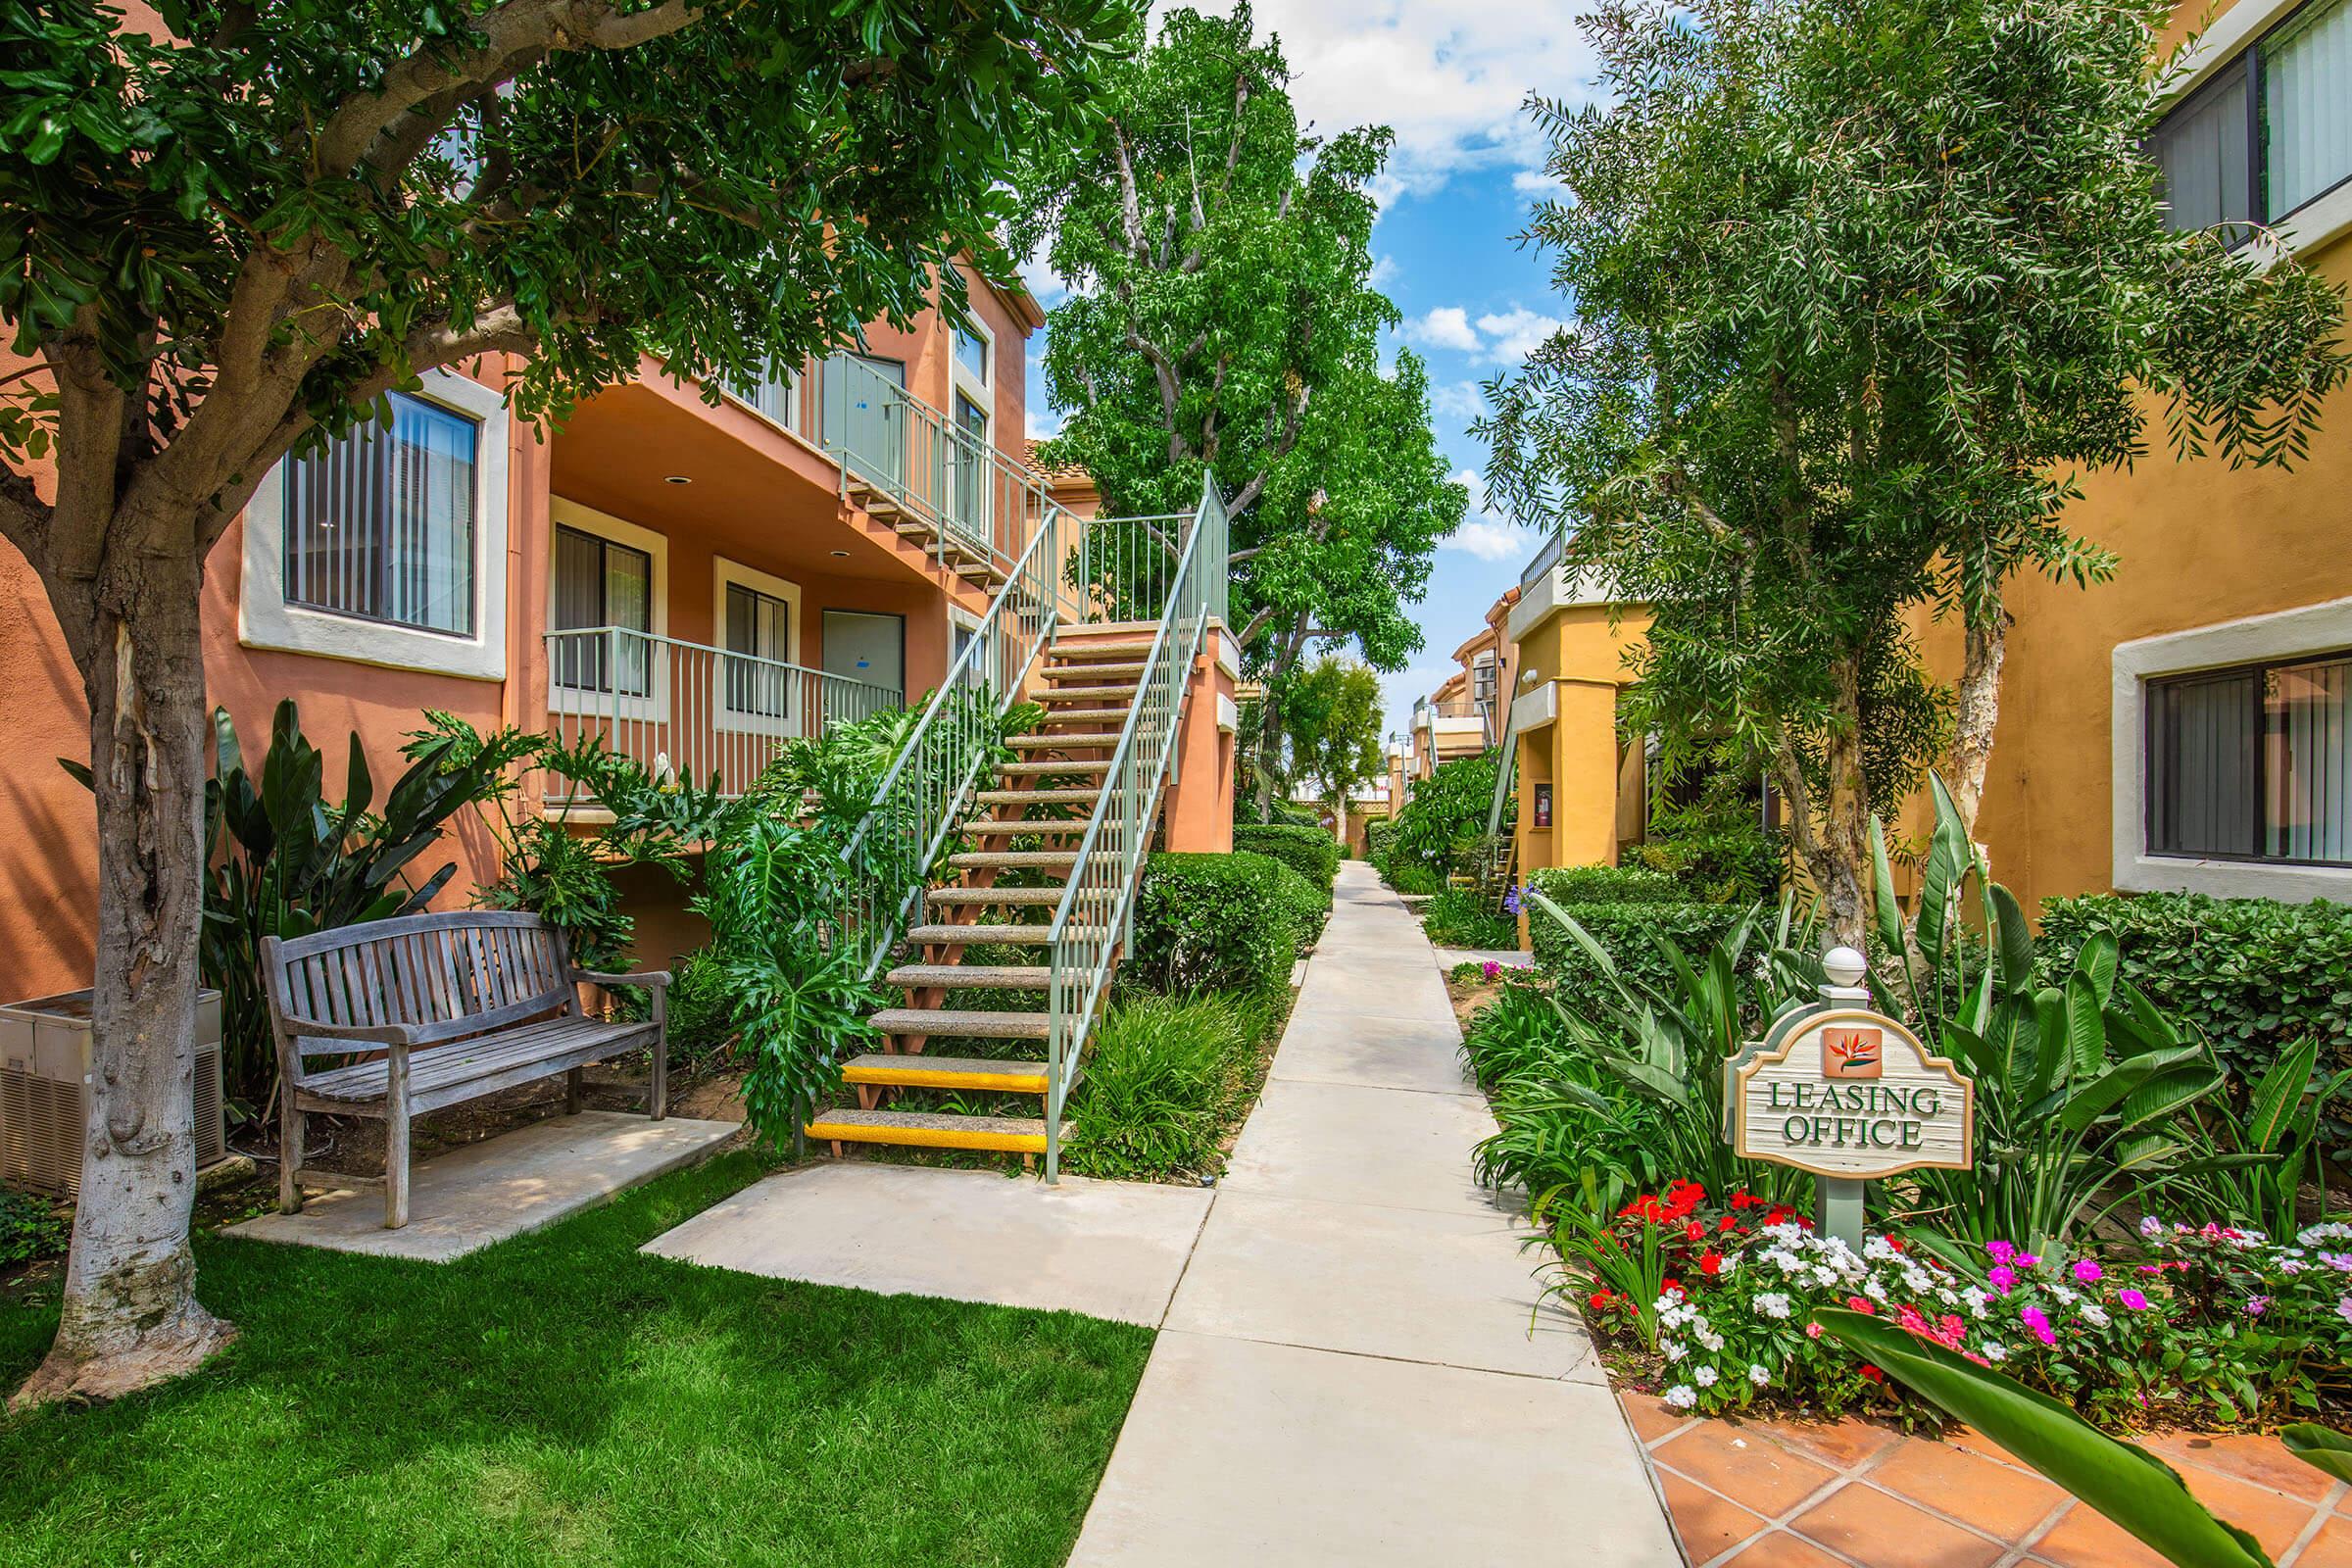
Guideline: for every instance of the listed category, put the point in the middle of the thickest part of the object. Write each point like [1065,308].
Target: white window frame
[725,573]
[653,706]
[265,619]
[964,621]
[979,388]
[2284,635]
[2316,221]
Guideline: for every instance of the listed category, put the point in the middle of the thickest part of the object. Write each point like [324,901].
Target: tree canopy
[1861,287]
[1331,719]
[1221,318]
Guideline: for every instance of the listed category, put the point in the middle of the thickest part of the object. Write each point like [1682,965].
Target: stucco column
[1199,799]
[1584,808]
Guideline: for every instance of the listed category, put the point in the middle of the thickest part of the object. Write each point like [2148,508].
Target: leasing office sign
[1850,1093]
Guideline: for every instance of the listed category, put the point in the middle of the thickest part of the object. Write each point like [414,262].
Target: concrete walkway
[1356,1368]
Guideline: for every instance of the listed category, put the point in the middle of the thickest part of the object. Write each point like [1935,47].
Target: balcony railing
[977,501]
[682,709]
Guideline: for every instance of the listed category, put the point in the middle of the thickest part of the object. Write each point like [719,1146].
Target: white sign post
[1849,1095]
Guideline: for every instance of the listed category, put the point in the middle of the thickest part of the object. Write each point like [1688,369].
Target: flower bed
[2182,1326]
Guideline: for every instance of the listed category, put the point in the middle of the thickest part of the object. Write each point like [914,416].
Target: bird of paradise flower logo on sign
[1853,1052]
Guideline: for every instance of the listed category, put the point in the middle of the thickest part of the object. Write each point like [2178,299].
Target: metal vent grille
[212,1140]
[40,1133]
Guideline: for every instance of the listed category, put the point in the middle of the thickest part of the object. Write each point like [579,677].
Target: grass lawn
[561,1399]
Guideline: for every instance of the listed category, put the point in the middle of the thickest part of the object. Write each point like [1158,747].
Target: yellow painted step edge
[857,1132]
[915,1077]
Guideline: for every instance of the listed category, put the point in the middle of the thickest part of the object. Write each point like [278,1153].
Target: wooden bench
[438,1009]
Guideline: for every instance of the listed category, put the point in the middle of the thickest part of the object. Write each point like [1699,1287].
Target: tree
[1862,285]
[1331,717]
[227,243]
[1221,318]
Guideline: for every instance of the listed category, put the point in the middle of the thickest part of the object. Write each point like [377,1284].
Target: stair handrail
[1104,877]
[933,776]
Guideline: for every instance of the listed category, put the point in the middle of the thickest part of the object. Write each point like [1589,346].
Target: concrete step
[1092,764]
[1069,797]
[1015,859]
[971,1073]
[1085,669]
[1123,647]
[1086,716]
[997,827]
[1009,936]
[919,1129]
[1102,740]
[980,976]
[943,897]
[1055,698]
[945,1021]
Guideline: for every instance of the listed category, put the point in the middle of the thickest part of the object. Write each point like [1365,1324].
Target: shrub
[1717,846]
[1164,1077]
[1407,877]
[1380,836]
[1460,918]
[1609,884]
[1631,933]
[2251,975]
[1447,814]
[31,1228]
[1309,906]
[1214,922]
[1309,850]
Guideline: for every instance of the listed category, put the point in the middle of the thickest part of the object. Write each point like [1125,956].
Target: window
[2253,763]
[603,584]
[758,627]
[971,352]
[381,525]
[971,466]
[2271,132]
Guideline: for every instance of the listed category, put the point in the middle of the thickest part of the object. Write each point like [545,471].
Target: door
[865,416]
[869,647]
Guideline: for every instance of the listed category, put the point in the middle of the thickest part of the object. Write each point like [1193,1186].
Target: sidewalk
[1354,1368]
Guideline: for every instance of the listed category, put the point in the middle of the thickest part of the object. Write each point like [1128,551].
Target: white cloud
[1459,400]
[1038,423]
[1450,78]
[1512,335]
[1445,327]
[1484,533]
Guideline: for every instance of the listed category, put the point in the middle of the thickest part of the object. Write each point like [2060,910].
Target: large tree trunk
[1977,706]
[1839,854]
[130,1316]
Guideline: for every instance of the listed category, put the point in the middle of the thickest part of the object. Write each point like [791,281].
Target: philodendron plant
[2078,1084]
[2134,1488]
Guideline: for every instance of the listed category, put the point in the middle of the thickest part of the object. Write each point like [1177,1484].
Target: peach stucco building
[688,575]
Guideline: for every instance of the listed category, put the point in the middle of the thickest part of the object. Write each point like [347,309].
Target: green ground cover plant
[563,1399]
[31,1228]
[1167,1079]
[1460,918]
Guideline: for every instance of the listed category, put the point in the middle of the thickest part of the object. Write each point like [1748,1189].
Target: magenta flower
[2033,1317]
[2256,1305]
[2002,1251]
[1489,969]
[2343,1310]
[2088,1272]
[2132,1299]
[2003,1278]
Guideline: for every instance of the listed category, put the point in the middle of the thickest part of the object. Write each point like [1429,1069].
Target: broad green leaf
[2278,1095]
[2319,1447]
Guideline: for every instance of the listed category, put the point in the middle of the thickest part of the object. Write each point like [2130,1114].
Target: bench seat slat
[467,1063]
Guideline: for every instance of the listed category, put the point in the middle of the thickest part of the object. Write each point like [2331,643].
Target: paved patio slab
[1392,1147]
[1376,1052]
[1111,1249]
[1272,1456]
[1407,1283]
[525,1180]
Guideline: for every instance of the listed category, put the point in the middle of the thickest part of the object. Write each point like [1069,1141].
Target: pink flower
[2033,1318]
[2343,1310]
[2088,1271]
[2003,1278]
[2002,1251]
[2132,1299]
[1490,970]
[2256,1305]
[1813,1329]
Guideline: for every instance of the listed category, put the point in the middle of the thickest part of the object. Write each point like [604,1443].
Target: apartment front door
[866,646]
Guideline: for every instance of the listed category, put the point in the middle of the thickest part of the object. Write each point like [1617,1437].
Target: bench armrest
[650,979]
[375,1034]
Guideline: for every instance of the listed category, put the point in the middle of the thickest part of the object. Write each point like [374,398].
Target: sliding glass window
[381,524]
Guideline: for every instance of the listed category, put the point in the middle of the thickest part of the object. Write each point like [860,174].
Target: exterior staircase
[1006,953]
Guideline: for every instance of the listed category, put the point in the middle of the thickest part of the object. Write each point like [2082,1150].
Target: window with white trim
[758,629]
[382,524]
[601,583]
[2271,132]
[2253,763]
[971,352]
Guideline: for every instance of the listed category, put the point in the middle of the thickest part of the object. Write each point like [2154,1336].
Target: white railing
[690,712]
[976,503]
[1096,916]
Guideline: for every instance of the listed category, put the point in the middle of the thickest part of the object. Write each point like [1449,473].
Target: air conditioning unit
[45,1075]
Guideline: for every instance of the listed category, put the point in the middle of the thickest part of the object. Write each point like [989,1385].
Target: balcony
[683,709]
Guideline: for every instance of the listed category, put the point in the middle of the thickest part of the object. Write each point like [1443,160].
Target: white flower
[1824,1276]
[2332,1231]
[1710,1339]
[1772,1305]
[2095,1314]
[1947,1296]
[1731,1266]
[1672,1350]
[1881,1249]
[2150,1226]
[1668,1302]
[1874,1291]
[1757,1375]
[1682,1396]
[1704,1377]
[1978,1300]
[1994,1352]
[2292,1265]
[2068,1297]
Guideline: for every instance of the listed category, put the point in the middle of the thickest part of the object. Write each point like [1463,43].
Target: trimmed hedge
[2251,974]
[1215,923]
[1309,906]
[1610,884]
[1628,931]
[1310,852]
[1380,836]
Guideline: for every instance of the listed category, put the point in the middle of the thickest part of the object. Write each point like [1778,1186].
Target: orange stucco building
[687,578]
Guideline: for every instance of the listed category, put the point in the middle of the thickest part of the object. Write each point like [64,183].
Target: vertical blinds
[600,583]
[2253,763]
[2307,106]
[2201,151]
[381,524]
[2308,753]
[758,624]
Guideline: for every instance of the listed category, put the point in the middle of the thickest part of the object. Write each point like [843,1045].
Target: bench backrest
[450,974]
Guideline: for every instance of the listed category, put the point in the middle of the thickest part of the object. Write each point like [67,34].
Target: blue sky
[1466,169]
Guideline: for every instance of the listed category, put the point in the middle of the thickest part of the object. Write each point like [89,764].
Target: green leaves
[2131,1487]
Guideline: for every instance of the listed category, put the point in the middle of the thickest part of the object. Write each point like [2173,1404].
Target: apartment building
[1465,716]
[689,574]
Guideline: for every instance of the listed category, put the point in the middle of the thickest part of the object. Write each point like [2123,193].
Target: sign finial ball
[1844,967]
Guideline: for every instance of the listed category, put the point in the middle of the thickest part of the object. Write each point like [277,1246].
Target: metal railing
[977,503]
[1095,915]
[685,710]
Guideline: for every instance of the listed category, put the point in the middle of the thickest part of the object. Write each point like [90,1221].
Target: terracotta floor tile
[1708,1525]
[1746,1467]
[2274,1520]
[2262,1460]
[2085,1538]
[1781,1549]
[1991,1498]
[1840,1444]
[1971,1440]
[1651,1416]
[2331,1547]
[1880,1528]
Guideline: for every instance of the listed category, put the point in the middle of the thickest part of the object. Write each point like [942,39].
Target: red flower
[1727,1223]
[1873,1373]
[1601,1299]
[1710,1262]
[1862,1304]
